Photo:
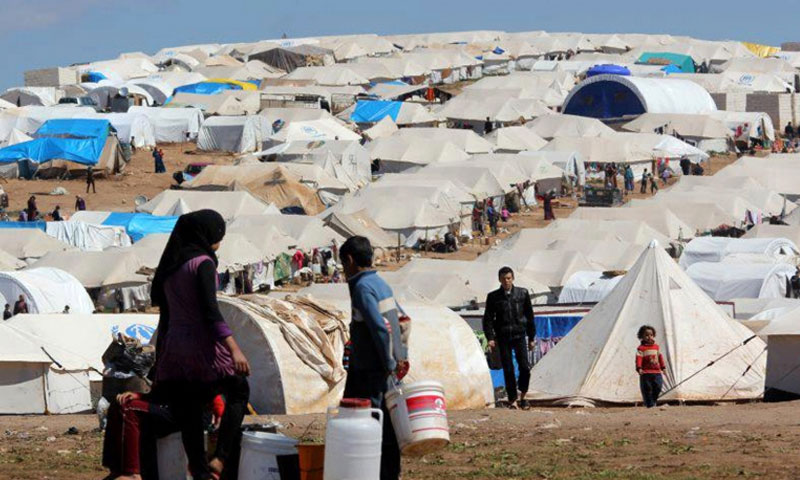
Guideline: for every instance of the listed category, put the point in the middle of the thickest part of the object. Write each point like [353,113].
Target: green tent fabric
[684,62]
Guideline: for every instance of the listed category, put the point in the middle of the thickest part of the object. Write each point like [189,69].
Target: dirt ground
[670,442]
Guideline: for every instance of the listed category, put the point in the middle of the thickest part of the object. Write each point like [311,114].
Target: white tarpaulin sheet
[171,125]
[88,237]
[715,249]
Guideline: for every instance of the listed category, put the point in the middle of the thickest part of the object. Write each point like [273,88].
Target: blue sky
[46,33]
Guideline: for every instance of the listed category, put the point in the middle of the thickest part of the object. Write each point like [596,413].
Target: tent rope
[712,362]
[744,373]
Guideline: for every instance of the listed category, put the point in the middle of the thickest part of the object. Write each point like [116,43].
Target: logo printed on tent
[140,332]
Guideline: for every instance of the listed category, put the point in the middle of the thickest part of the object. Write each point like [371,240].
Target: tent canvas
[47,290]
[692,330]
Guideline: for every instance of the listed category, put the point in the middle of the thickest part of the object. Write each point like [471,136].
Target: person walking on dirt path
[377,352]
[507,321]
[90,180]
[649,365]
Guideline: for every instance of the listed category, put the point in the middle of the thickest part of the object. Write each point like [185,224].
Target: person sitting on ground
[80,203]
[4,216]
[649,365]
[57,214]
[66,309]
[450,243]
[20,306]
[7,312]
[23,216]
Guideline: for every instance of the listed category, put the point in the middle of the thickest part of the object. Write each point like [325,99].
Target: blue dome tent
[619,97]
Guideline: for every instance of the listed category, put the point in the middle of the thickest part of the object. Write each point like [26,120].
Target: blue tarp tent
[609,69]
[139,225]
[373,111]
[76,140]
[206,88]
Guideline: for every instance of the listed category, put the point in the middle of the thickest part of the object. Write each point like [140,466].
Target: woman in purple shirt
[196,355]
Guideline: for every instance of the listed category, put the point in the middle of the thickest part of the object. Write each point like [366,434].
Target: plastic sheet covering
[139,225]
[296,348]
[88,237]
[368,111]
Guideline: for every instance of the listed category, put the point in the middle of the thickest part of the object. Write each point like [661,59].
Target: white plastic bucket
[172,462]
[260,451]
[419,417]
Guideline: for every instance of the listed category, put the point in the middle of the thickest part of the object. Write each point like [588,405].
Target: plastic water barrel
[419,417]
[172,462]
[353,441]
[260,450]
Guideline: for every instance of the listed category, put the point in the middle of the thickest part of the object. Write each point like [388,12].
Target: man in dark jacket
[507,321]
[377,351]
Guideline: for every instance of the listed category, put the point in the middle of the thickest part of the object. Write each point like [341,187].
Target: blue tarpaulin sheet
[609,69]
[41,225]
[76,140]
[206,88]
[139,225]
[95,77]
[373,111]
[548,329]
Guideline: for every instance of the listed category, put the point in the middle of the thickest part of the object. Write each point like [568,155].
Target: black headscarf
[193,236]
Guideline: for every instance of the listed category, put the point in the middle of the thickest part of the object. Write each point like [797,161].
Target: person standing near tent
[653,183]
[57,214]
[90,180]
[488,126]
[643,188]
[649,365]
[7,312]
[196,354]
[507,321]
[80,203]
[20,306]
[377,352]
[32,209]
[158,158]
[628,179]
[547,205]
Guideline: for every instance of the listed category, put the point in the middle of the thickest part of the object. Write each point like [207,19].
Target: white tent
[55,359]
[594,362]
[132,128]
[715,249]
[238,134]
[662,220]
[557,125]
[783,364]
[172,125]
[457,283]
[229,204]
[298,342]
[587,287]
[724,281]
[466,140]
[46,290]
[765,230]
[515,139]
[106,269]
[29,243]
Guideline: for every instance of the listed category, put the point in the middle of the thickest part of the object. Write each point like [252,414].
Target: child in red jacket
[649,365]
